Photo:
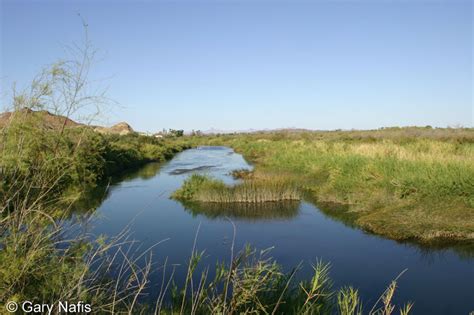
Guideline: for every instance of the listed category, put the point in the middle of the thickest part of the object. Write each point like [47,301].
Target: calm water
[439,281]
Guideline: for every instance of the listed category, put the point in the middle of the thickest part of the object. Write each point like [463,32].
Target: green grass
[405,184]
[204,189]
[253,283]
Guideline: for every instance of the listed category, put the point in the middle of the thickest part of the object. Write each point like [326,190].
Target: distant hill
[121,128]
[55,122]
[290,130]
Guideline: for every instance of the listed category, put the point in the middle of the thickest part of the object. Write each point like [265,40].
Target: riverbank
[39,262]
[44,170]
[401,183]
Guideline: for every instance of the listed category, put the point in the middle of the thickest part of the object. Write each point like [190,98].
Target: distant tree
[176,132]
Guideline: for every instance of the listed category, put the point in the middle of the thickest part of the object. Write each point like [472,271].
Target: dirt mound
[121,128]
[47,119]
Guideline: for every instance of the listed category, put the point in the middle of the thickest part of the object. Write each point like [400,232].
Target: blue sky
[234,65]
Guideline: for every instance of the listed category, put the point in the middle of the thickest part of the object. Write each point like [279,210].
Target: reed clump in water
[205,189]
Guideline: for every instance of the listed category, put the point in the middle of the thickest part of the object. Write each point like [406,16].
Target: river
[437,280]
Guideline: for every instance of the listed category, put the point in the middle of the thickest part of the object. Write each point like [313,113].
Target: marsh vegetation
[203,189]
[403,183]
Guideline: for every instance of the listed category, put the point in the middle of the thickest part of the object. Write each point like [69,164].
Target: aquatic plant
[204,189]
[253,283]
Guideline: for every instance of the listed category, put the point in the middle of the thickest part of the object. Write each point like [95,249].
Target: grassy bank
[403,183]
[50,163]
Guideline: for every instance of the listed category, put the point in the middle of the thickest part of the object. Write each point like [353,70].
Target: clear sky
[234,65]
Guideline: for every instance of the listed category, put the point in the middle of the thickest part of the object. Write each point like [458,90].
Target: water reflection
[91,199]
[147,171]
[245,211]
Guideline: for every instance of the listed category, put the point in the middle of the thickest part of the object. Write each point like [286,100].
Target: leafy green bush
[52,161]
